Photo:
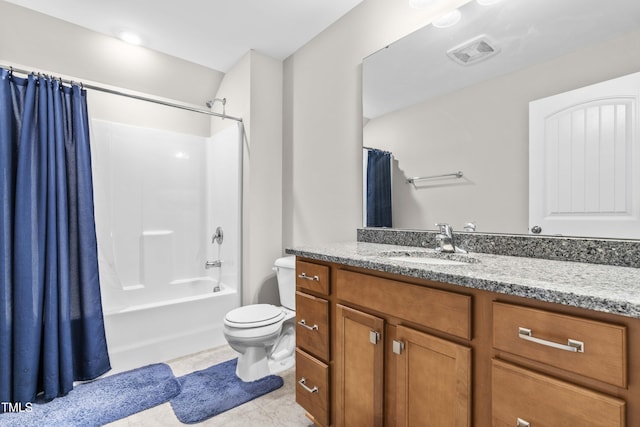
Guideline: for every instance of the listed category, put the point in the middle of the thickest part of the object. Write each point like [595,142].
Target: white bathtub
[147,333]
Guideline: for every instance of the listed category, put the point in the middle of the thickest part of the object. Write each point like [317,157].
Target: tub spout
[212,264]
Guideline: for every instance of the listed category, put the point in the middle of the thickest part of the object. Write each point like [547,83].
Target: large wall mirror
[440,111]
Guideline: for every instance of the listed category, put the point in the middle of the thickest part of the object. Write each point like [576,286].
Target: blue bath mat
[102,401]
[215,390]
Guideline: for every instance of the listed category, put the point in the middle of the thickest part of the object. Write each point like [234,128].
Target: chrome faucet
[445,241]
[217,237]
[212,264]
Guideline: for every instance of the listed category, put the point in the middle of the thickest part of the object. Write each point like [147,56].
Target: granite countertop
[604,288]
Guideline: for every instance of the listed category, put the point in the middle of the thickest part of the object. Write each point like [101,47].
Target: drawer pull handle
[572,345]
[303,384]
[523,423]
[303,323]
[305,277]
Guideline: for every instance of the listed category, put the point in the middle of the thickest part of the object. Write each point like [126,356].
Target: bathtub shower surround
[160,196]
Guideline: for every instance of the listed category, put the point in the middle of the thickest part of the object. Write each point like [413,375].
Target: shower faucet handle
[218,236]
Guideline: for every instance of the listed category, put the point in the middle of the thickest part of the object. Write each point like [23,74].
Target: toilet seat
[254,316]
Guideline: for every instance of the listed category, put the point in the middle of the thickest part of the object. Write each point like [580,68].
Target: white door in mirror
[584,161]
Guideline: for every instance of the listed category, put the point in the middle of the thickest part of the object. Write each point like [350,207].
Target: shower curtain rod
[372,149]
[125,94]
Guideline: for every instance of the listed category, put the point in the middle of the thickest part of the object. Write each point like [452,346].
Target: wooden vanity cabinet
[389,373]
[589,348]
[403,351]
[313,379]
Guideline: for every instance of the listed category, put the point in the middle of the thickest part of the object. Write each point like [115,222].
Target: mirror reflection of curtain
[51,322]
[378,188]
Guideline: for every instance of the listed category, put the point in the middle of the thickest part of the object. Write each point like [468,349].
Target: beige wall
[483,130]
[323,120]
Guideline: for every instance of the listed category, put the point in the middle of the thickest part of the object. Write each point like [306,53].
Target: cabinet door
[360,370]
[433,380]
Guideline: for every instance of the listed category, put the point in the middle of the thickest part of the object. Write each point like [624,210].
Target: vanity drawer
[448,312]
[312,325]
[312,386]
[313,277]
[549,338]
[520,396]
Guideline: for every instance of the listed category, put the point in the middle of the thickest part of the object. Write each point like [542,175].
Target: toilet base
[253,364]
[283,355]
[256,363]
[277,366]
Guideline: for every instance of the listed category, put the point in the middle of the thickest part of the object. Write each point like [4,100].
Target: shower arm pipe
[126,94]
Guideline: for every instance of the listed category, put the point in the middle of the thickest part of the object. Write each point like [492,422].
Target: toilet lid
[251,316]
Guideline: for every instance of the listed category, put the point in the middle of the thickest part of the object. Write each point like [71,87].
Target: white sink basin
[428,260]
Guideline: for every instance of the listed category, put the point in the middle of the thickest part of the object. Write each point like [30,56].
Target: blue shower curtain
[378,188]
[51,323]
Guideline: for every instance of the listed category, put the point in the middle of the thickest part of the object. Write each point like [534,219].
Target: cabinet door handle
[572,345]
[305,277]
[522,423]
[374,337]
[303,323]
[303,384]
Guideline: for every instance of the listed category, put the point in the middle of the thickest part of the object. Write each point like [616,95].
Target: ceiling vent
[474,50]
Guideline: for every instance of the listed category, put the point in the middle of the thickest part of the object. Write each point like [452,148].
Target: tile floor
[275,409]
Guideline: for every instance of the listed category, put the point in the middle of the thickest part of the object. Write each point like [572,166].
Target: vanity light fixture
[447,20]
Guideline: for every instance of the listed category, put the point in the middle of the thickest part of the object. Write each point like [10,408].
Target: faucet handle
[444,228]
[470,226]
[218,236]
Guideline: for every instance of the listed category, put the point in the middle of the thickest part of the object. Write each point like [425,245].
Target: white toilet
[264,334]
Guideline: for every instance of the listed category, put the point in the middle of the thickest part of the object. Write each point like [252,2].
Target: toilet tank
[286,274]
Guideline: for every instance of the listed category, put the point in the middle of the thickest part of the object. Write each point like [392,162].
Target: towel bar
[420,178]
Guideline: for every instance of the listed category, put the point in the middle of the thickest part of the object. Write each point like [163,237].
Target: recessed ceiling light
[447,20]
[130,37]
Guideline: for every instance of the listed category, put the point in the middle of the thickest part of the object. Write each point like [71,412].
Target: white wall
[322,179]
[253,89]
